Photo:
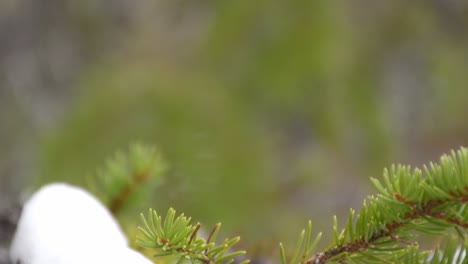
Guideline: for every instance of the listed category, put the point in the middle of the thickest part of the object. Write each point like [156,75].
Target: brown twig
[210,236]
[194,233]
[136,179]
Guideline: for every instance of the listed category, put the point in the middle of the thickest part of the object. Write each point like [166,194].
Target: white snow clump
[63,224]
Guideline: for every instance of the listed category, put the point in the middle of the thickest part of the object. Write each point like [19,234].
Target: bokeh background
[268,113]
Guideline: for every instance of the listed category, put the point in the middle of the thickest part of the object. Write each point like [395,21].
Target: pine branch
[406,201]
[177,237]
[129,177]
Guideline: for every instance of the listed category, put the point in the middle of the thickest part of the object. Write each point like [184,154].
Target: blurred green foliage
[268,110]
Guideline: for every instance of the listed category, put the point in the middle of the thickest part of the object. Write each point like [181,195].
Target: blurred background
[269,113]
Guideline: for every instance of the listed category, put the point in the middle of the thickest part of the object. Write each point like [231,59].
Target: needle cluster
[176,236]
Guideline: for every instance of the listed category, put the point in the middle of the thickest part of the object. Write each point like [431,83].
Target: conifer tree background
[266,114]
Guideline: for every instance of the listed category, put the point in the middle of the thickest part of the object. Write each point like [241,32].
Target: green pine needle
[176,236]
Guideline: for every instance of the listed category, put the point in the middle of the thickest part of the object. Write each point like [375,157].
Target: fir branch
[406,201]
[128,177]
[176,236]
[390,230]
